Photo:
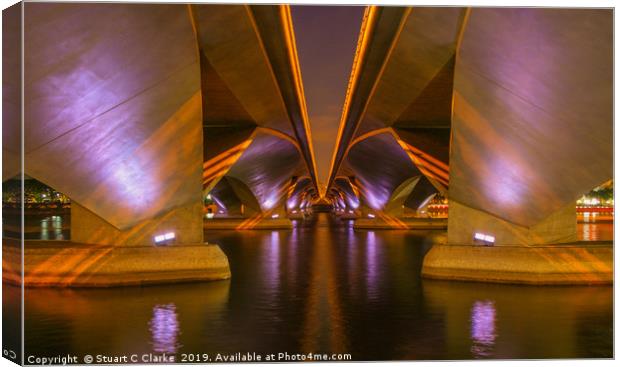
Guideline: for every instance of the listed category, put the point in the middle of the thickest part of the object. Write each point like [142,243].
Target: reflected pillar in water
[131,320]
[499,327]
[164,327]
[483,328]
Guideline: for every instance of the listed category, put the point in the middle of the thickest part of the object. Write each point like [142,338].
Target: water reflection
[483,328]
[595,231]
[325,288]
[164,327]
[271,259]
[372,265]
[51,228]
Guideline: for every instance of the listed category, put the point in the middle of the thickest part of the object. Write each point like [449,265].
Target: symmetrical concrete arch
[492,123]
[255,123]
[120,105]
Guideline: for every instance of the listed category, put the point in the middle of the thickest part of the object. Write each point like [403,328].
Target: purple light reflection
[164,327]
[134,185]
[372,266]
[483,332]
[353,202]
[271,261]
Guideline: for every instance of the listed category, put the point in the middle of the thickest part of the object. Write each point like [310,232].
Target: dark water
[323,288]
[38,226]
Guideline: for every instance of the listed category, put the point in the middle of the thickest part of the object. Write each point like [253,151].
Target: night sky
[326,39]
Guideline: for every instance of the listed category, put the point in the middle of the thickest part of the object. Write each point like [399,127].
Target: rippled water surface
[324,288]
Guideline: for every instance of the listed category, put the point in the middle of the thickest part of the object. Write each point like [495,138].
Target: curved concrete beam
[408,84]
[250,53]
[380,165]
[113,106]
[232,193]
[267,167]
[380,27]
[532,134]
[302,187]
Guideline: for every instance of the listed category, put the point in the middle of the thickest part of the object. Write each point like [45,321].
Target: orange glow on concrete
[291,47]
[218,166]
[367,27]
[254,220]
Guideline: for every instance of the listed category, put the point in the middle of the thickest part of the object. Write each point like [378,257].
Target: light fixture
[275,216]
[210,215]
[164,239]
[370,215]
[486,239]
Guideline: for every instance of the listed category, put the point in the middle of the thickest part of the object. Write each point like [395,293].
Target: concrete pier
[565,264]
[247,223]
[544,253]
[401,223]
[70,264]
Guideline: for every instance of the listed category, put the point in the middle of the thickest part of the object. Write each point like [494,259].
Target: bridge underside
[137,112]
[159,121]
[475,102]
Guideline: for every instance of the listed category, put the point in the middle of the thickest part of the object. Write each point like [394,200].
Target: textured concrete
[251,81]
[113,115]
[545,253]
[185,222]
[70,264]
[530,134]
[402,78]
[247,223]
[577,263]
[463,222]
[11,90]
[401,223]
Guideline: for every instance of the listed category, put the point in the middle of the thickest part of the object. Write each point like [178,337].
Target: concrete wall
[185,221]
[531,134]
[113,114]
[464,221]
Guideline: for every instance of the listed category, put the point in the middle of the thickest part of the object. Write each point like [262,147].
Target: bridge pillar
[464,222]
[102,255]
[544,253]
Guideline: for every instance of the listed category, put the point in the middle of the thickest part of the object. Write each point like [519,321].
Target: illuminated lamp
[370,215]
[275,216]
[485,239]
[164,239]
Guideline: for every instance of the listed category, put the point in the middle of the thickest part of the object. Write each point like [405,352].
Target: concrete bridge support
[526,144]
[113,119]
